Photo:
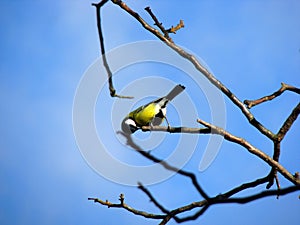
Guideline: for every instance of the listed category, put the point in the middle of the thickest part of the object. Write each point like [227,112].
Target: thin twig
[245,186]
[284,87]
[158,24]
[251,149]
[100,4]
[273,172]
[195,216]
[162,28]
[127,207]
[277,140]
[164,210]
[103,53]
[260,195]
[176,28]
[185,208]
[288,123]
[152,199]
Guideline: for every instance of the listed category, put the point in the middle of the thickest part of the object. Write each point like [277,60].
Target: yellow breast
[144,115]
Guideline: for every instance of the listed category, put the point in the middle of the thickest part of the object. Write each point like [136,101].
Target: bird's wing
[144,115]
[139,109]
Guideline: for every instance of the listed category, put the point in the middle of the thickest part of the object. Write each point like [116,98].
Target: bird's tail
[175,91]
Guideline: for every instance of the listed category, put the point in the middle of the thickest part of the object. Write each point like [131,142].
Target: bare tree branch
[103,54]
[245,186]
[277,140]
[218,200]
[164,210]
[192,176]
[288,123]
[176,218]
[162,28]
[152,199]
[176,28]
[284,87]
[127,207]
[273,172]
[195,216]
[243,200]
[158,24]
[251,149]
[182,209]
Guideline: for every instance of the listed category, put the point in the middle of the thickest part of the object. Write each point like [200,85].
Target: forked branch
[284,87]
[251,149]
[162,28]
[277,143]
[127,207]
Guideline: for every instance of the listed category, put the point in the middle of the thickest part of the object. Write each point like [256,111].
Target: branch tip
[297,175]
[284,87]
[176,28]
[122,198]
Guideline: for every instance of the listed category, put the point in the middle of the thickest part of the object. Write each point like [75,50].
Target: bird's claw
[169,128]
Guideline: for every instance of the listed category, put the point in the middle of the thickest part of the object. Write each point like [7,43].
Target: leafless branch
[127,207]
[158,24]
[103,53]
[243,200]
[192,176]
[273,173]
[288,123]
[284,87]
[195,215]
[162,28]
[251,149]
[152,199]
[277,142]
[167,212]
[245,186]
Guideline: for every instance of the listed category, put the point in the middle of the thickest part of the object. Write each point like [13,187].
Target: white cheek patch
[130,122]
[164,111]
[159,110]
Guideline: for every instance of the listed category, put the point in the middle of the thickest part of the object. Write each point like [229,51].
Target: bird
[151,114]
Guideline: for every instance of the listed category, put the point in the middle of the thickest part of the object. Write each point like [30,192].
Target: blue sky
[251,46]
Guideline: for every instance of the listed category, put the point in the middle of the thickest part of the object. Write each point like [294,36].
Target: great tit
[151,114]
